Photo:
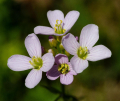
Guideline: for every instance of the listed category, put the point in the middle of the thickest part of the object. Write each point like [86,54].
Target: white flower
[60,25]
[84,50]
[36,62]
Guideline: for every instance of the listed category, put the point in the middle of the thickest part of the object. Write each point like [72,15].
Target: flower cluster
[67,56]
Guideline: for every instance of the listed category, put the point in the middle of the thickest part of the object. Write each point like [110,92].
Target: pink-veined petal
[19,63]
[48,62]
[72,72]
[89,36]
[33,78]
[53,73]
[61,59]
[70,19]
[99,52]
[55,15]
[33,45]
[78,64]
[70,44]
[66,79]
[44,30]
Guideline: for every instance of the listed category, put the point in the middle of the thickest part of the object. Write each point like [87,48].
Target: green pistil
[58,28]
[36,62]
[82,52]
[63,68]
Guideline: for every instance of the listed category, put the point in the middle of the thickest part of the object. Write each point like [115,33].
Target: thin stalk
[63,91]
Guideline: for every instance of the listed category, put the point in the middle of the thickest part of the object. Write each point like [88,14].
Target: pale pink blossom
[60,25]
[85,49]
[62,69]
[36,62]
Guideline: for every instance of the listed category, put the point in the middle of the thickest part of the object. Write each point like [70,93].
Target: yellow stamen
[64,30]
[84,58]
[56,21]
[56,25]
[82,52]
[59,27]
[55,29]
[63,68]
[30,62]
[36,62]
[60,21]
[80,48]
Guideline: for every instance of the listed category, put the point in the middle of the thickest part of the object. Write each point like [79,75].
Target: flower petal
[48,62]
[19,63]
[60,34]
[72,72]
[33,78]
[89,36]
[99,52]
[44,30]
[55,15]
[78,64]
[33,45]
[70,44]
[66,79]
[61,59]
[53,73]
[70,19]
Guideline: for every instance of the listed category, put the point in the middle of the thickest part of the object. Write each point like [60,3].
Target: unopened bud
[61,46]
[59,38]
[44,50]
[52,41]
[68,54]
[50,51]
[76,38]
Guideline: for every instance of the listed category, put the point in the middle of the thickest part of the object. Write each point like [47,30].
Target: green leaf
[51,89]
[40,93]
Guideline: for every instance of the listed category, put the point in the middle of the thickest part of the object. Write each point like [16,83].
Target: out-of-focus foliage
[99,82]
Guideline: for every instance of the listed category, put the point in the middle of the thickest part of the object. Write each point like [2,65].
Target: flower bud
[76,38]
[61,46]
[52,41]
[59,38]
[50,51]
[68,54]
[43,49]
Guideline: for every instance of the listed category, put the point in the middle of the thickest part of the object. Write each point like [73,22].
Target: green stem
[63,91]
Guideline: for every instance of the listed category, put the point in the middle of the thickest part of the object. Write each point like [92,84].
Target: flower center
[63,68]
[82,52]
[36,62]
[59,27]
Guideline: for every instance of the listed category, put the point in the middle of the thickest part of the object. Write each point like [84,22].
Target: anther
[60,21]
[57,21]
[56,25]
[36,62]
[64,30]
[55,29]
[80,48]
[82,52]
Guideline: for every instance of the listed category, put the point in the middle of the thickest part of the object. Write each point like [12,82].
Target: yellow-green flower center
[63,68]
[59,27]
[82,52]
[36,62]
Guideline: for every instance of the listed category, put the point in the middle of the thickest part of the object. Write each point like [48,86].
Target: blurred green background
[99,82]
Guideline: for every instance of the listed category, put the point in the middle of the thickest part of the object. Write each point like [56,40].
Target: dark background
[99,82]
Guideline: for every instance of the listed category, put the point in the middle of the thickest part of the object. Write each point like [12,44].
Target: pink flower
[84,50]
[62,69]
[37,62]
[60,25]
